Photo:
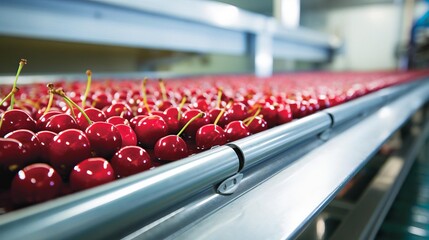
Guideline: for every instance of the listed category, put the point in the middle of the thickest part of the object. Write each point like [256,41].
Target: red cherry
[135,120]
[101,100]
[284,114]
[116,120]
[119,109]
[164,105]
[11,152]
[16,119]
[257,125]
[45,138]
[269,113]
[60,122]
[91,172]
[94,114]
[41,122]
[104,138]
[150,129]
[238,111]
[30,144]
[172,119]
[35,183]
[130,160]
[236,130]
[170,148]
[67,149]
[210,135]
[193,127]
[128,136]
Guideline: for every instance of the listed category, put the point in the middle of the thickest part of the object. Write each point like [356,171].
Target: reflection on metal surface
[418,231]
[320,228]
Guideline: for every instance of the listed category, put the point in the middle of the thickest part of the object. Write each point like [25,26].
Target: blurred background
[61,36]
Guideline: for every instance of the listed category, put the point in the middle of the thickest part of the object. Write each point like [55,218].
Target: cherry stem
[88,86]
[8,96]
[253,117]
[1,120]
[145,97]
[199,115]
[22,62]
[163,90]
[60,92]
[51,100]
[219,97]
[182,103]
[219,116]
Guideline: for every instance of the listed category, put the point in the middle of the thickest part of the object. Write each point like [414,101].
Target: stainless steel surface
[116,208]
[180,25]
[293,196]
[364,221]
[262,146]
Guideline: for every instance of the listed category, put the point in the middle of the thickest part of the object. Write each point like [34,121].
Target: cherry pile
[64,137]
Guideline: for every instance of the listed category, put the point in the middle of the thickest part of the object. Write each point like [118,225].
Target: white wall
[370,34]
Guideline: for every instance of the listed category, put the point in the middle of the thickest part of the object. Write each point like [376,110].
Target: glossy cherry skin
[130,160]
[116,120]
[34,184]
[119,109]
[41,122]
[91,172]
[172,119]
[269,114]
[12,154]
[45,138]
[104,138]
[135,120]
[210,135]
[101,100]
[60,122]
[257,125]
[193,127]
[67,149]
[236,130]
[238,111]
[128,136]
[284,114]
[16,119]
[163,105]
[170,148]
[30,143]
[150,129]
[94,114]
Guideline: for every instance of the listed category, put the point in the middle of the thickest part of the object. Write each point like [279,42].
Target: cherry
[30,143]
[96,115]
[150,129]
[119,109]
[172,118]
[130,160]
[193,127]
[237,111]
[236,130]
[15,119]
[101,100]
[210,135]
[35,183]
[45,138]
[104,138]
[61,122]
[135,120]
[11,152]
[41,122]
[128,136]
[269,113]
[284,114]
[116,120]
[91,172]
[257,125]
[67,149]
[172,147]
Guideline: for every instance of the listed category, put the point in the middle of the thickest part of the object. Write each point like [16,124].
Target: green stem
[145,97]
[22,62]
[51,100]
[182,103]
[219,116]
[6,98]
[253,117]
[88,86]
[163,90]
[201,114]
